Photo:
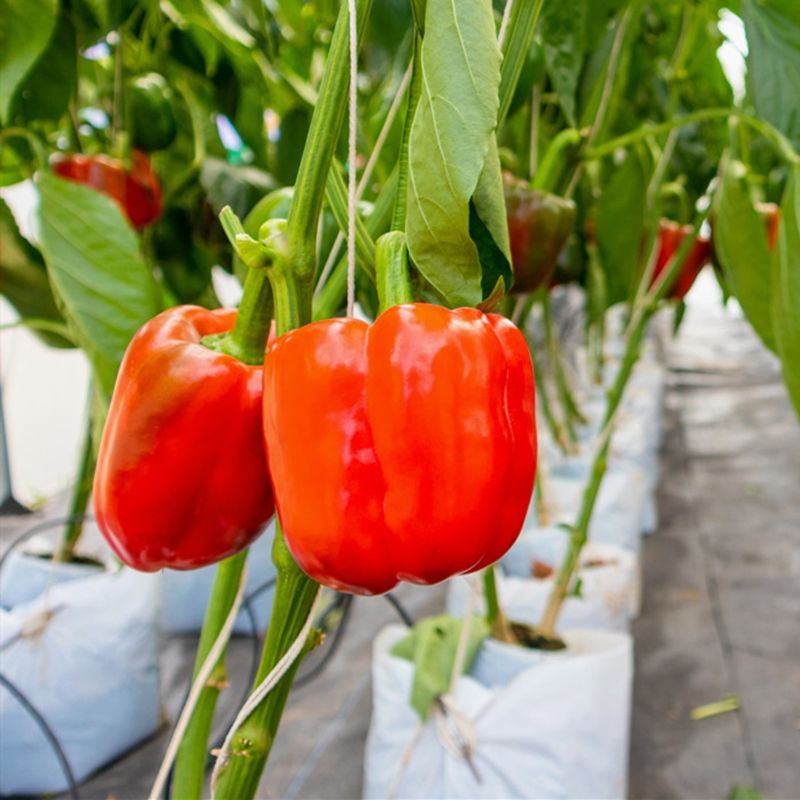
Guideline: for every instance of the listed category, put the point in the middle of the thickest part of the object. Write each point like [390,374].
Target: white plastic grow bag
[538,725]
[610,583]
[185,593]
[85,654]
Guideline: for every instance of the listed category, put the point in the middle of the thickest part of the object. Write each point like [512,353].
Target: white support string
[391,114]
[198,685]
[501,37]
[351,160]
[263,689]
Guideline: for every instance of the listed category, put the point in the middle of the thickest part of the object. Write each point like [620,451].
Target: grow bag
[534,724]
[85,655]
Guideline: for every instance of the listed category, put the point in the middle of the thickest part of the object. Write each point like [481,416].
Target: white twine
[351,158]
[391,114]
[501,38]
[198,685]
[263,689]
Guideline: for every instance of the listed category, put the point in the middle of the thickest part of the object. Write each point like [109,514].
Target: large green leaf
[25,29]
[786,287]
[773,61]
[740,242]
[564,34]
[45,92]
[450,140]
[105,287]
[620,223]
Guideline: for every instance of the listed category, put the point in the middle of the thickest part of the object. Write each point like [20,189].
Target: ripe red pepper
[181,477]
[539,225]
[137,191]
[670,238]
[402,450]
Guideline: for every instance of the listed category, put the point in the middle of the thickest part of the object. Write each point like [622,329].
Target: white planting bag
[537,725]
[85,654]
[185,593]
[609,575]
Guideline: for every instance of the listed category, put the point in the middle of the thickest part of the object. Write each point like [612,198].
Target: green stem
[572,412]
[580,532]
[640,316]
[80,497]
[778,141]
[190,764]
[331,297]
[250,331]
[323,135]
[250,748]
[519,36]
[414,92]
[391,266]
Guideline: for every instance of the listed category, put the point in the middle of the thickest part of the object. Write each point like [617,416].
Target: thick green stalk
[519,36]
[323,135]
[249,337]
[250,748]
[190,763]
[80,497]
[414,92]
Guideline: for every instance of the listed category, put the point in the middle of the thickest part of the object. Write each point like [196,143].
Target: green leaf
[45,93]
[27,26]
[773,61]
[450,139]
[432,644]
[742,792]
[740,242]
[23,277]
[239,187]
[786,287]
[104,286]
[620,222]
[564,35]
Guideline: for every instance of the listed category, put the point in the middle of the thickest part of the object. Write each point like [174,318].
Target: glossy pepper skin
[181,477]
[404,450]
[670,238]
[539,225]
[136,191]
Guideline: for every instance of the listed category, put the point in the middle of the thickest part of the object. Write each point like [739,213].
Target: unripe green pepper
[151,116]
[539,225]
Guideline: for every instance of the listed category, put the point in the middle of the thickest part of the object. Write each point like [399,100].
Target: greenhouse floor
[721,604]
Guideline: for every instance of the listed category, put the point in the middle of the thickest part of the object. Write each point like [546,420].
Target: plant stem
[323,135]
[572,412]
[250,748]
[253,319]
[521,25]
[81,492]
[495,617]
[190,763]
[414,92]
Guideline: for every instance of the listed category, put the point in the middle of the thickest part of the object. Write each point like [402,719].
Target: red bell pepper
[137,191]
[670,238]
[182,476]
[402,450]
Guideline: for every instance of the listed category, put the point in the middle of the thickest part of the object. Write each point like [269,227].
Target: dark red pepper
[137,191]
[539,224]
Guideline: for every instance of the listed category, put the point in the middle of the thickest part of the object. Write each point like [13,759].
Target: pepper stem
[391,270]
